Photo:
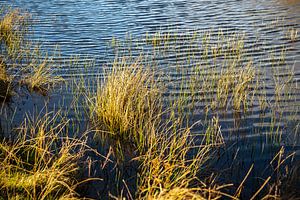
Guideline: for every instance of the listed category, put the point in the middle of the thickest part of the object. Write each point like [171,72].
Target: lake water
[85,28]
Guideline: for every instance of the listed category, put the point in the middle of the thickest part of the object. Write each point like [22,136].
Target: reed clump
[23,65]
[41,163]
[172,164]
[13,27]
[127,100]
[40,77]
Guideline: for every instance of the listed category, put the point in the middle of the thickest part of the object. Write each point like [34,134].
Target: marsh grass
[292,34]
[213,73]
[213,135]
[40,77]
[13,28]
[234,86]
[42,163]
[216,72]
[126,101]
[172,164]
[128,111]
[171,167]
[21,61]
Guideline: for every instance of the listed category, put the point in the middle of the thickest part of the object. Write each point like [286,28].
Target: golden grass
[292,34]
[125,103]
[37,75]
[170,166]
[127,109]
[13,27]
[213,135]
[42,163]
[229,88]
[40,78]
[179,194]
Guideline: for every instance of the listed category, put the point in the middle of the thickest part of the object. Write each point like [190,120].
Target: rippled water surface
[86,28]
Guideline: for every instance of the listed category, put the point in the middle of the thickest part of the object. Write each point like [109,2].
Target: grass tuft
[42,163]
[172,164]
[125,103]
[5,81]
[41,78]
[13,27]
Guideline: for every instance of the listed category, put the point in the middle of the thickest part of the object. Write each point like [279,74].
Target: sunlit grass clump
[126,101]
[40,77]
[41,163]
[171,166]
[13,27]
[19,64]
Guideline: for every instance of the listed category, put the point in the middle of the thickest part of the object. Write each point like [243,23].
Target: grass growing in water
[18,61]
[171,165]
[125,103]
[127,108]
[41,163]
[13,27]
[40,78]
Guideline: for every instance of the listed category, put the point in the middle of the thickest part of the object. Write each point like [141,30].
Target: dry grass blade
[239,190]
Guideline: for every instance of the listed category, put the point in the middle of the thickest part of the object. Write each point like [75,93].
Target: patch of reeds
[40,77]
[172,163]
[234,86]
[25,66]
[125,103]
[13,27]
[42,163]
